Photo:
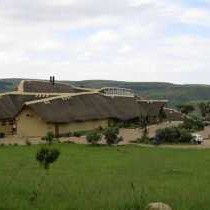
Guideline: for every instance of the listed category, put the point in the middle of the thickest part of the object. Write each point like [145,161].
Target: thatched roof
[173,114]
[12,103]
[39,86]
[93,106]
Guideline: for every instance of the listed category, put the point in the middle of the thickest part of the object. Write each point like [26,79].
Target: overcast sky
[132,40]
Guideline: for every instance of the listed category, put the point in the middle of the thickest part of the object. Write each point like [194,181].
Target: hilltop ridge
[175,93]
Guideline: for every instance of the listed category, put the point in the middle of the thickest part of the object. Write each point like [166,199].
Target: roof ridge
[63,96]
[29,93]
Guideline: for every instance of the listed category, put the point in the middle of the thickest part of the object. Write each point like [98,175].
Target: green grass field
[99,178]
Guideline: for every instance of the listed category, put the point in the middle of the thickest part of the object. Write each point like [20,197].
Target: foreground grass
[99,178]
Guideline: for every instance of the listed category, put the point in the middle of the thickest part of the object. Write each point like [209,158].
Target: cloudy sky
[132,40]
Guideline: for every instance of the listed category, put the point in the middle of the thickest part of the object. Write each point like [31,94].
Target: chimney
[52,80]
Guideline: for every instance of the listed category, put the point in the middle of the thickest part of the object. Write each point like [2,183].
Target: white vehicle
[197,138]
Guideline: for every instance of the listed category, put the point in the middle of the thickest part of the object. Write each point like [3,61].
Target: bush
[77,133]
[173,135]
[144,140]
[94,137]
[46,156]
[192,124]
[185,136]
[111,135]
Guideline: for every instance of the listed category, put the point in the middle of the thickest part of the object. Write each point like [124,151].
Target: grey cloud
[25,10]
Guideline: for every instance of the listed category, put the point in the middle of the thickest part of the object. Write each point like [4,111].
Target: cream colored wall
[6,129]
[31,125]
[82,126]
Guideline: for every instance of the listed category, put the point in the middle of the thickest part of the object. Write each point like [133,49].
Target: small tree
[46,156]
[144,121]
[94,137]
[49,137]
[204,109]
[111,135]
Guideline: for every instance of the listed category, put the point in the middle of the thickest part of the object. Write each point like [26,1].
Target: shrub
[173,135]
[111,135]
[94,137]
[185,136]
[46,156]
[193,124]
[77,133]
[145,140]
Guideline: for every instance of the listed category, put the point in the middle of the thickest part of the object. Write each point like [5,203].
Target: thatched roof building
[42,86]
[12,103]
[39,106]
[93,106]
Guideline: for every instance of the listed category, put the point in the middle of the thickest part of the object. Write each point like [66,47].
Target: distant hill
[176,94]
[8,84]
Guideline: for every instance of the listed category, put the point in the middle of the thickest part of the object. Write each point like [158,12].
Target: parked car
[197,138]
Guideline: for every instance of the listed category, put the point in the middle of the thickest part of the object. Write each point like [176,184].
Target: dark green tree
[204,109]
[111,135]
[186,108]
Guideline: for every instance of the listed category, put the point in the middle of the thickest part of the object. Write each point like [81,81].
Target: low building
[85,111]
[36,109]
[10,105]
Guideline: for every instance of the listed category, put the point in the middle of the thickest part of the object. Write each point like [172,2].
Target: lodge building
[37,107]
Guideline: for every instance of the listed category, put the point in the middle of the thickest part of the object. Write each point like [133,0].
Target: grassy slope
[91,178]
[177,94]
